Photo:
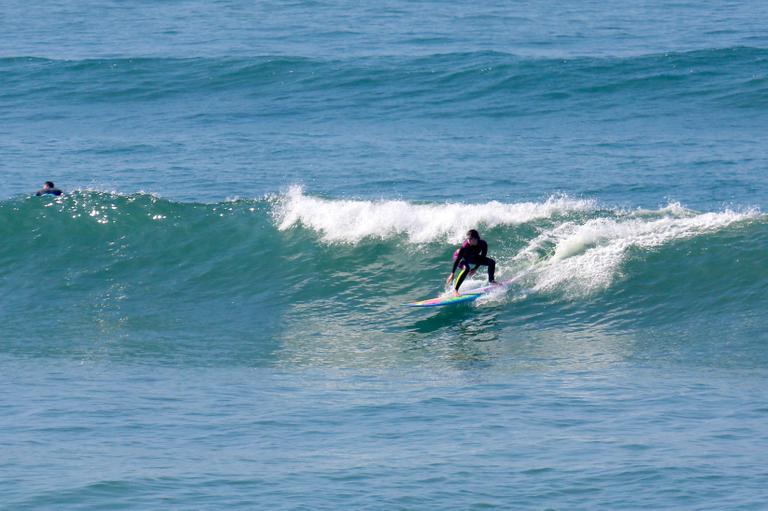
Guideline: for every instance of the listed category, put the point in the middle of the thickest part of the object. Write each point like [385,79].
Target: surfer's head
[48,184]
[473,237]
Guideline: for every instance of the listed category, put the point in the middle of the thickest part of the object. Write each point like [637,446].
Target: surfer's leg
[462,275]
[490,263]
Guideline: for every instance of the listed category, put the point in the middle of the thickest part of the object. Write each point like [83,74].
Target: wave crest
[585,258]
[350,221]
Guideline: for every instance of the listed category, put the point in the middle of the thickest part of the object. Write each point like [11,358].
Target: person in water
[49,189]
[472,252]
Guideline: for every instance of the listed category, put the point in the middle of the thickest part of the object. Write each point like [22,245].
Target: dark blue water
[211,316]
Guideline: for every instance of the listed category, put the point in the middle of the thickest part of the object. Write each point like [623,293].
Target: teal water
[211,317]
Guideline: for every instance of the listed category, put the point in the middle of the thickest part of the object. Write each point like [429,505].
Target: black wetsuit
[470,254]
[49,191]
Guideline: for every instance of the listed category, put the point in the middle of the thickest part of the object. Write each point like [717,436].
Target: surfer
[48,189]
[472,251]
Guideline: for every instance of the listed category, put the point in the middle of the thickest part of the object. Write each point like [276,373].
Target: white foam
[588,257]
[672,208]
[349,221]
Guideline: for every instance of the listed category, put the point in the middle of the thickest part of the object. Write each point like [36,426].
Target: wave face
[485,83]
[139,276]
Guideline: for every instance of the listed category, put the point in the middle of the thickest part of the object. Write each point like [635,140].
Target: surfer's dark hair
[49,184]
[473,234]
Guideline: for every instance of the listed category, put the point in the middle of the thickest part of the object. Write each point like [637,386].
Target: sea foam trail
[350,221]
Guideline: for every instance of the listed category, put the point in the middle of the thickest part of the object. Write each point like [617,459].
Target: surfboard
[470,295]
[448,299]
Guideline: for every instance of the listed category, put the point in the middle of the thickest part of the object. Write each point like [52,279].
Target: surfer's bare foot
[455,293]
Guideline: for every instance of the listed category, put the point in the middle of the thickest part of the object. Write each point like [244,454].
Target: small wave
[454,84]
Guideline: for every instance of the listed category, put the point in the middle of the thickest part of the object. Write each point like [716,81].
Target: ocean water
[211,316]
